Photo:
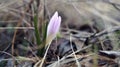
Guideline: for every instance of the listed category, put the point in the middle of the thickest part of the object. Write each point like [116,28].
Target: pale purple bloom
[53,27]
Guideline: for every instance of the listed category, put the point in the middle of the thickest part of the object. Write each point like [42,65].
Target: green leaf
[37,34]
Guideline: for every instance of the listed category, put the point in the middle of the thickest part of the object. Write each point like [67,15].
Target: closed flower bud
[53,27]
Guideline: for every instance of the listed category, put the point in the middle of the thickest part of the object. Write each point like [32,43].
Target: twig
[17,28]
[78,64]
[13,41]
[45,55]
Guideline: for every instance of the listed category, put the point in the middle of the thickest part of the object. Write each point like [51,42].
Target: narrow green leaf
[37,34]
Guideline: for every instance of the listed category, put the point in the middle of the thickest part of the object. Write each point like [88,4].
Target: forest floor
[89,34]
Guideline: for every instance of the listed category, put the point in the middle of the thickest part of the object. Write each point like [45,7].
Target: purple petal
[57,25]
[54,25]
[51,23]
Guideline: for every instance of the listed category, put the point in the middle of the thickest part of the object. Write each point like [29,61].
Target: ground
[89,33]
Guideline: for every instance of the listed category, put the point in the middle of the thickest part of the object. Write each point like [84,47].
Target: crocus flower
[52,30]
[53,27]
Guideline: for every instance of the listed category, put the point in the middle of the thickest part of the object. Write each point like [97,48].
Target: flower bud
[53,27]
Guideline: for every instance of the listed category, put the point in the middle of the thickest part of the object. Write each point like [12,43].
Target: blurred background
[17,28]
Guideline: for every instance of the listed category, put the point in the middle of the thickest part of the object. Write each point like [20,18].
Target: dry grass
[87,27]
